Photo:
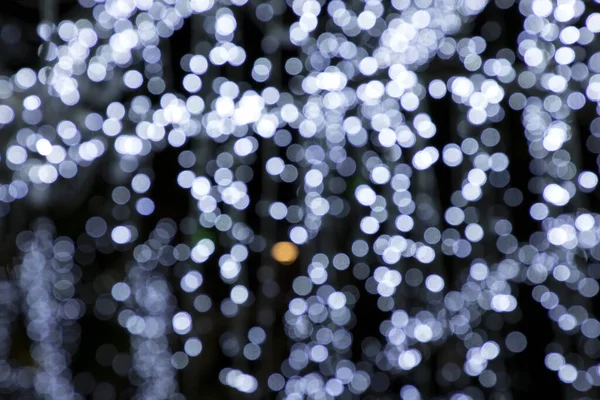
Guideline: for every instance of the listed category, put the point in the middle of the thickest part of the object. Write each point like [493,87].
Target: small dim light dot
[284,252]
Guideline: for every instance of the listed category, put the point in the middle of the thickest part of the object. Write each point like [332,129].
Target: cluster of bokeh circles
[351,133]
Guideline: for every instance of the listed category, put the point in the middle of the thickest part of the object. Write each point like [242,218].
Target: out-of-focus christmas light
[285,252]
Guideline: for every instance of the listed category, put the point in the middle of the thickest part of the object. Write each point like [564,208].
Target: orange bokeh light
[285,252]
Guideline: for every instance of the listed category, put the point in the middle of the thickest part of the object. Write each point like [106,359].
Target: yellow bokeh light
[285,252]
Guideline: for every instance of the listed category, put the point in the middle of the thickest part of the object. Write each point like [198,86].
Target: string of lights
[300,199]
